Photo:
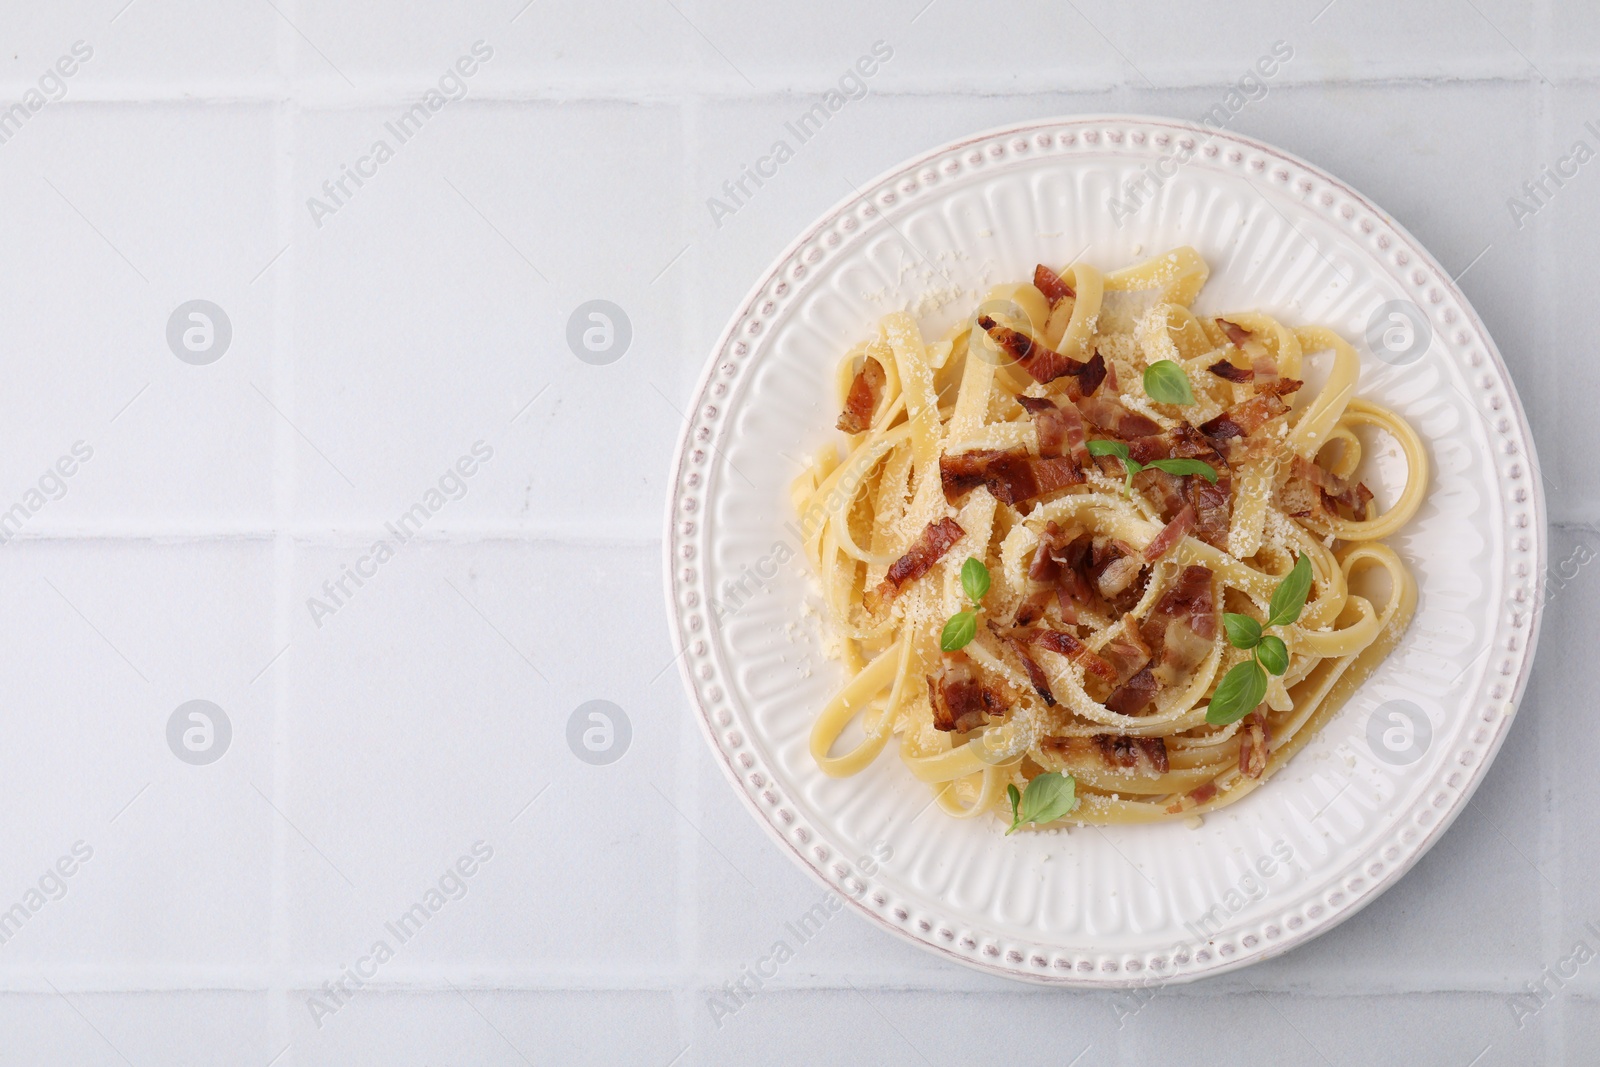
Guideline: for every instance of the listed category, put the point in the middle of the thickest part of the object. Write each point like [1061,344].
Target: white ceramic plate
[1126,905]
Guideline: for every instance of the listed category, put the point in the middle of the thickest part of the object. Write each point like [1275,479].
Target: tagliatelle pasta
[1136,482]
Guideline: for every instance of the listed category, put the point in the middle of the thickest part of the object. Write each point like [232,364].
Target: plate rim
[1095,979]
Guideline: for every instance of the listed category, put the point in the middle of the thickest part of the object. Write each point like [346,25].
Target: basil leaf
[974,578]
[1109,448]
[959,631]
[1048,797]
[1242,689]
[1273,654]
[1289,599]
[1016,820]
[1243,631]
[1186,466]
[1166,383]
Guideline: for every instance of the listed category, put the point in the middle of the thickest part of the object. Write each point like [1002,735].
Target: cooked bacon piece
[1132,696]
[1165,489]
[1047,422]
[1144,755]
[1115,566]
[1183,625]
[1075,584]
[1012,475]
[929,547]
[1193,798]
[1064,644]
[865,392]
[1228,371]
[1044,578]
[1254,745]
[1180,442]
[1036,676]
[1212,515]
[1310,485]
[1113,418]
[1050,284]
[1237,334]
[1212,511]
[960,702]
[1045,364]
[1170,534]
[1057,426]
[1077,437]
[1127,651]
[1244,419]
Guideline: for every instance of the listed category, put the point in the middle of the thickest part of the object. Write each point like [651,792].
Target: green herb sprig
[1166,383]
[963,625]
[1244,687]
[1133,466]
[1048,797]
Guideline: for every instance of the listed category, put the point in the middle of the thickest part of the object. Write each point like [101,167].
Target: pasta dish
[1090,557]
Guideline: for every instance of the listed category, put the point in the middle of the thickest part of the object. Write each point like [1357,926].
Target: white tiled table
[428,313]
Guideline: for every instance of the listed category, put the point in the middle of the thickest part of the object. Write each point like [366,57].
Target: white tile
[1267,1029]
[139,49]
[609,48]
[109,640]
[1564,692]
[433,307]
[469,1025]
[119,215]
[427,714]
[115,1029]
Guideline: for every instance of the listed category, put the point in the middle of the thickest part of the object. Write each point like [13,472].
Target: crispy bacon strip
[1012,475]
[1036,676]
[866,390]
[1051,285]
[1244,419]
[1182,625]
[1226,370]
[1044,364]
[929,547]
[1127,651]
[1212,513]
[1115,566]
[1134,695]
[1143,755]
[1045,576]
[1110,416]
[1064,644]
[1193,798]
[1211,503]
[1181,442]
[960,702]
[1057,426]
[1170,534]
[1118,752]
[1311,485]
[1048,421]
[1237,334]
[1254,745]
